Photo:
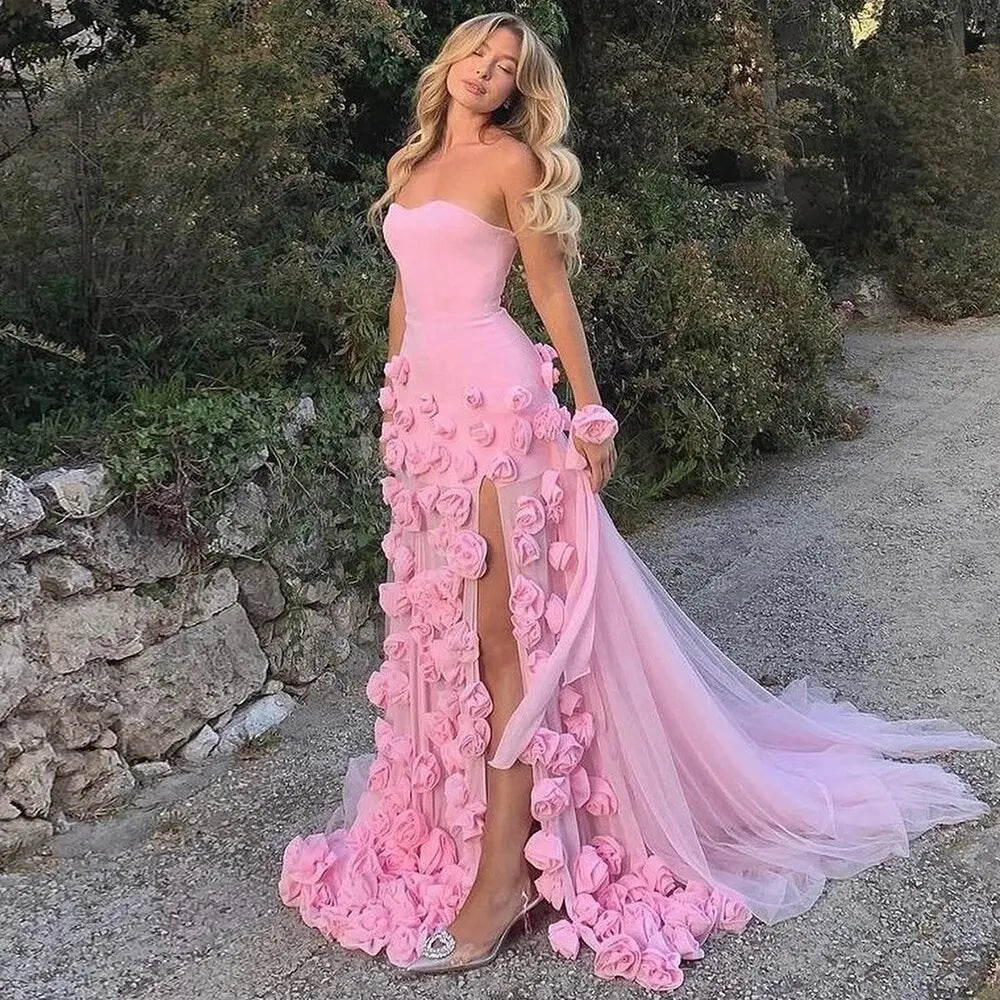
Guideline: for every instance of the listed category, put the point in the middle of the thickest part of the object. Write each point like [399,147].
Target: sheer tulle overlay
[675,796]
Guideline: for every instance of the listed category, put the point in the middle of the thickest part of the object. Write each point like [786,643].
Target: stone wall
[120,659]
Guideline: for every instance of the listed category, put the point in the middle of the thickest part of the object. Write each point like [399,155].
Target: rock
[79,492]
[315,591]
[243,524]
[18,591]
[221,720]
[108,625]
[60,576]
[148,771]
[199,746]
[202,595]
[124,548]
[870,295]
[18,674]
[26,546]
[303,645]
[303,416]
[259,590]
[23,836]
[20,509]
[7,808]
[18,736]
[254,719]
[273,686]
[303,557]
[77,709]
[29,780]
[168,692]
[60,824]
[349,612]
[89,782]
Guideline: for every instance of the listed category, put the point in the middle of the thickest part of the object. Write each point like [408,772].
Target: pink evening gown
[674,796]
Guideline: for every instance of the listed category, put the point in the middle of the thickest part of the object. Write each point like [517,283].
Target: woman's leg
[496,893]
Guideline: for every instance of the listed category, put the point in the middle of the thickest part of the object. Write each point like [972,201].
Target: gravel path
[871,564]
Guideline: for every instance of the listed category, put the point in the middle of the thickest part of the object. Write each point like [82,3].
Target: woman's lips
[472,88]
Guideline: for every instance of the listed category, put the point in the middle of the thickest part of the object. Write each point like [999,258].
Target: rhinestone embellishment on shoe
[439,945]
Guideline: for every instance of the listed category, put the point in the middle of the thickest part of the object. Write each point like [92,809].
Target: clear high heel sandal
[440,945]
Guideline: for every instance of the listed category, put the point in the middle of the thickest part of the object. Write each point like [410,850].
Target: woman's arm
[546,280]
[552,297]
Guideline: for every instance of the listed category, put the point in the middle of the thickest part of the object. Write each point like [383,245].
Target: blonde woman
[552,726]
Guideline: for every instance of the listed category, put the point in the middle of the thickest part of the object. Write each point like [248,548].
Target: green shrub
[921,137]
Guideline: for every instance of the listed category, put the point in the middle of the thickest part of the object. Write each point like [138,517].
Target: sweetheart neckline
[460,208]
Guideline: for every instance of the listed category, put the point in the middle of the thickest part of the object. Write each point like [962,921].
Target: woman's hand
[601,460]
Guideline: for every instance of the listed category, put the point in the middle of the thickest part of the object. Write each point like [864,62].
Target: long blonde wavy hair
[539,117]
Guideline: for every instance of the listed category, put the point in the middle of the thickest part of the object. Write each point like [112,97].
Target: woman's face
[484,79]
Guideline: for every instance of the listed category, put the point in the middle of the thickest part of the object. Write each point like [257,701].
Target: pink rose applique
[404,562]
[549,797]
[466,554]
[527,599]
[541,747]
[521,435]
[440,536]
[397,368]
[609,924]
[640,922]
[527,632]
[427,497]
[593,423]
[444,426]
[403,417]
[550,887]
[586,909]
[426,771]
[395,454]
[552,495]
[439,456]
[463,639]
[567,755]
[590,871]
[476,701]
[733,913]
[437,851]
[525,548]
[452,757]
[579,786]
[603,801]
[473,736]
[398,647]
[388,686]
[388,431]
[409,829]
[406,512]
[569,699]
[581,725]
[518,397]
[386,399]
[544,851]
[465,465]
[546,352]
[391,485]
[473,396]
[503,468]
[618,955]
[402,947]
[455,505]
[426,403]
[554,613]
[659,968]
[529,514]
[564,939]
[378,774]
[482,432]
[547,423]
[418,459]
[657,875]
[549,374]
[536,660]
[560,555]
[393,599]
[611,852]
[440,727]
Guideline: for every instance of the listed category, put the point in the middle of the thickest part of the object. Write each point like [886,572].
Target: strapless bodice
[453,264]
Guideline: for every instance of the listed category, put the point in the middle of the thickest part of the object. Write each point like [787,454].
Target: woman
[638,780]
